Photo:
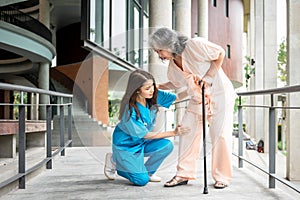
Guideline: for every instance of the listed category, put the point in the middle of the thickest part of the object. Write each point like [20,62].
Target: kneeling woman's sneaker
[154,178]
[109,167]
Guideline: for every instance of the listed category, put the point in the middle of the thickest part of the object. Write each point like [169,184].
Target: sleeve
[165,99]
[204,49]
[132,126]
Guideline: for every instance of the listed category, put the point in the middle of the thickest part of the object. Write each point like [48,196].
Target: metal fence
[65,100]
[271,172]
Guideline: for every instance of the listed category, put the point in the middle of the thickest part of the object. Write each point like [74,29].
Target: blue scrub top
[129,133]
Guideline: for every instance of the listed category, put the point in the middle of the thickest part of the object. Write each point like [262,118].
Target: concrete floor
[79,175]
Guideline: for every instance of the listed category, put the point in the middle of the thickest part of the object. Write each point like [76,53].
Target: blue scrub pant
[137,171]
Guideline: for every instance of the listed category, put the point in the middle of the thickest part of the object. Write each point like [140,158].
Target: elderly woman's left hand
[201,81]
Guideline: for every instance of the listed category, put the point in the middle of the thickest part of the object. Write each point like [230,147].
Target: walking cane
[205,190]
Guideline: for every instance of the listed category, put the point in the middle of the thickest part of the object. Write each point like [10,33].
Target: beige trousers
[219,145]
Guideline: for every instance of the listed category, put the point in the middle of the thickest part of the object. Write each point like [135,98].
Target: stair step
[86,131]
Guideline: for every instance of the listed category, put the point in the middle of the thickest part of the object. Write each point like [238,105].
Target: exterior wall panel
[228,31]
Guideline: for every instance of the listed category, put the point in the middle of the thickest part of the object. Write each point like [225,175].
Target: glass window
[228,51]
[100,22]
[146,6]
[117,77]
[214,3]
[133,34]
[227,8]
[145,40]
[119,26]
[118,40]
[136,36]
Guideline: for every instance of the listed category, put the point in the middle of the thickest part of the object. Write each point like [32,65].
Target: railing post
[22,97]
[62,127]
[86,106]
[22,168]
[165,119]
[22,146]
[49,135]
[70,124]
[272,142]
[175,117]
[240,129]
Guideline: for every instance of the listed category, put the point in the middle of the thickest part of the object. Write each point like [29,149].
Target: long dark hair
[135,81]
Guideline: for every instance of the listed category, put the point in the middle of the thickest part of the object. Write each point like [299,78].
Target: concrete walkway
[79,175]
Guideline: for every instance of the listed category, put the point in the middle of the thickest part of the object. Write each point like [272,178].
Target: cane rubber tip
[205,191]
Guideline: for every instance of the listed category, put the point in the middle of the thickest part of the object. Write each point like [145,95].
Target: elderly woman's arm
[214,67]
[166,86]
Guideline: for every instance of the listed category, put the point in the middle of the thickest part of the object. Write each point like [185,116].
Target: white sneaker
[109,167]
[154,178]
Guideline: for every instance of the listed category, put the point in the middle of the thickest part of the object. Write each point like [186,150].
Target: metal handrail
[7,86]
[287,89]
[272,131]
[272,146]
[22,172]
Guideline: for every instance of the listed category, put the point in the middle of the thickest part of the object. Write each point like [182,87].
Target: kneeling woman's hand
[177,132]
[181,130]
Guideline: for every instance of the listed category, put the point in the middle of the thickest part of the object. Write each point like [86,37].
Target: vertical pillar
[269,73]
[44,12]
[270,44]
[34,106]
[203,18]
[183,17]
[43,82]
[270,59]
[182,25]
[265,56]
[293,77]
[250,112]
[160,15]
[258,84]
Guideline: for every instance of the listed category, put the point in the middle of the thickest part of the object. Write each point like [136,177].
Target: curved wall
[26,44]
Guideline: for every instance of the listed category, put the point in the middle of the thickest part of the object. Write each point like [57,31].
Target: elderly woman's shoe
[220,185]
[176,181]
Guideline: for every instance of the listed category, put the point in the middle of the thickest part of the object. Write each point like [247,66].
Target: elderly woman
[191,61]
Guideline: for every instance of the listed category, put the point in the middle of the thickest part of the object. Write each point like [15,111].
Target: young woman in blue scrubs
[133,139]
